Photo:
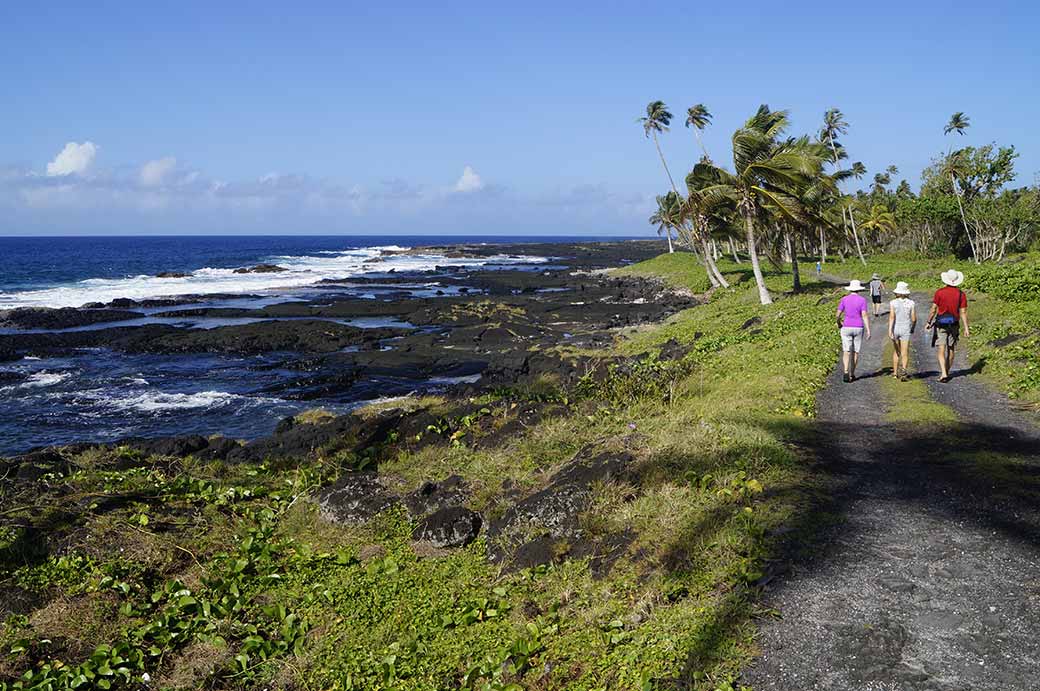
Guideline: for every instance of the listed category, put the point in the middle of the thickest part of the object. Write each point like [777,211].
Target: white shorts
[901,334]
[851,338]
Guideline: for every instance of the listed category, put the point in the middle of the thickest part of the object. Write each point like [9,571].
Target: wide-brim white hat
[953,277]
[902,288]
[876,277]
[854,285]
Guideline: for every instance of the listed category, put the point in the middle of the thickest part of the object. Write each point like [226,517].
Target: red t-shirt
[950,300]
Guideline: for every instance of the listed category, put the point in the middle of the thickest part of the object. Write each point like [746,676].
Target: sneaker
[845,378]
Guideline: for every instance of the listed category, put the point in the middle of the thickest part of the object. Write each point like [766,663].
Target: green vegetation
[782,200]
[228,576]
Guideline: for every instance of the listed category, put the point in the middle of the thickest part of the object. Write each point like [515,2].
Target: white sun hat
[902,288]
[854,285]
[953,277]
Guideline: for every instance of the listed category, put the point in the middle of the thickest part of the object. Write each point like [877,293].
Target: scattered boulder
[754,321]
[432,497]
[355,498]
[171,274]
[452,526]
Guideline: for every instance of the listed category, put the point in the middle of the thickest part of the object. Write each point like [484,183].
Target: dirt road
[928,576]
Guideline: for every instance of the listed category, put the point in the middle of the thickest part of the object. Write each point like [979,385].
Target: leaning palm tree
[834,124]
[858,170]
[698,117]
[705,215]
[765,173]
[958,123]
[663,217]
[656,120]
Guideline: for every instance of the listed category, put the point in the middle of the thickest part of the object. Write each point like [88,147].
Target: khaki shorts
[851,338]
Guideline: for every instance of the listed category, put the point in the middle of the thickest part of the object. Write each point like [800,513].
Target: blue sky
[484,118]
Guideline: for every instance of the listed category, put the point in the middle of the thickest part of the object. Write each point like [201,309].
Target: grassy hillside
[227,576]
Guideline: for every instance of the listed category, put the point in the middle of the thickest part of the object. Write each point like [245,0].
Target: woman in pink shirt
[852,321]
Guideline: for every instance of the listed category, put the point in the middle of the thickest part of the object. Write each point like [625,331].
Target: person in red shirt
[948,315]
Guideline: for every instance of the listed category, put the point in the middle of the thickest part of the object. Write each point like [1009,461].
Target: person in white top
[902,320]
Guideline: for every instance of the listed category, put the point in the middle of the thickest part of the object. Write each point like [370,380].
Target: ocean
[101,395]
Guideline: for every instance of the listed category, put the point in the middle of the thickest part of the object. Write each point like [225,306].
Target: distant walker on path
[877,288]
[902,320]
[948,315]
[852,321]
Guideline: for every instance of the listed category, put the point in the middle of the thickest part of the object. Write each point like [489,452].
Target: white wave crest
[299,271]
[157,401]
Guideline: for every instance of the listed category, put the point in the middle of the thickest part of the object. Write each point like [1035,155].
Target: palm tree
[706,214]
[858,170]
[880,220]
[662,217]
[766,172]
[958,123]
[698,117]
[656,120]
[834,124]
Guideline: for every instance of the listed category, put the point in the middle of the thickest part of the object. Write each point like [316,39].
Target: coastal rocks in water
[452,526]
[171,274]
[61,318]
[302,336]
[261,269]
[355,498]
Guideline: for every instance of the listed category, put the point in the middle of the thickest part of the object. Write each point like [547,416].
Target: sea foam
[300,271]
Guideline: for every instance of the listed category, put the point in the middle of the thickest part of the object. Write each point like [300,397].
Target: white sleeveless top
[903,308]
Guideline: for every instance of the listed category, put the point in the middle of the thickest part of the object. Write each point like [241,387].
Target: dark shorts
[876,299]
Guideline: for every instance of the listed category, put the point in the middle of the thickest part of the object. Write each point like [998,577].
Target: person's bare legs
[895,357]
[904,349]
[845,360]
[944,361]
[855,361]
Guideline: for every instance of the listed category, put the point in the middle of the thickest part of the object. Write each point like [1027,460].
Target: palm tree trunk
[964,220]
[713,269]
[855,236]
[671,181]
[794,263]
[763,292]
[823,247]
[733,251]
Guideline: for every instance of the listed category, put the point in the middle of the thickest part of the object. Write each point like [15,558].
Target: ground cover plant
[196,573]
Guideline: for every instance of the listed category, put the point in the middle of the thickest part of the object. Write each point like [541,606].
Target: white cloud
[154,172]
[469,182]
[74,158]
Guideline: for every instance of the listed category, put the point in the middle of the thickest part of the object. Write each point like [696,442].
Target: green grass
[715,478]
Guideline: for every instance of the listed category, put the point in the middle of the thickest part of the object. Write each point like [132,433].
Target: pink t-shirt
[853,305]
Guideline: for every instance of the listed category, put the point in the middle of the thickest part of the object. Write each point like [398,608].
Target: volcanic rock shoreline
[504,333]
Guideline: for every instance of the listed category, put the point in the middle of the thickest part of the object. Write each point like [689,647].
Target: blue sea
[102,395]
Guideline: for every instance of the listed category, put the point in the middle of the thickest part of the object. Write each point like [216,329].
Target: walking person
[948,315]
[819,269]
[852,322]
[902,320]
[877,286]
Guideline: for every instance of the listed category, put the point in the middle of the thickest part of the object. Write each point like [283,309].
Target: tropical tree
[880,220]
[667,216]
[657,119]
[698,117]
[706,215]
[767,172]
[834,124]
[858,170]
[958,123]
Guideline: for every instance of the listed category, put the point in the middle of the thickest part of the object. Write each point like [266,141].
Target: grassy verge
[201,574]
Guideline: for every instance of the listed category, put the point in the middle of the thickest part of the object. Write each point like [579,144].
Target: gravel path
[930,576]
